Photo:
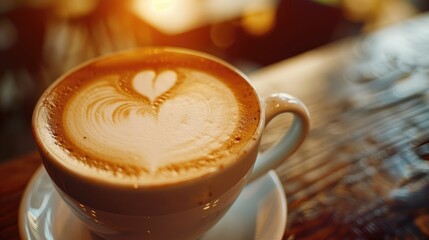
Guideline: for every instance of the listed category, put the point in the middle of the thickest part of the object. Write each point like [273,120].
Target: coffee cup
[157,143]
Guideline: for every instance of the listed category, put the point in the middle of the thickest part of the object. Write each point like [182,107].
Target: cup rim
[254,140]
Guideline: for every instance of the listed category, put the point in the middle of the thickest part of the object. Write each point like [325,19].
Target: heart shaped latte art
[152,85]
[111,124]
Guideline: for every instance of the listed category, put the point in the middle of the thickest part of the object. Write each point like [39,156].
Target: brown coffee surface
[149,115]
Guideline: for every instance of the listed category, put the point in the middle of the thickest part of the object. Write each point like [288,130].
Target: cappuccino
[148,117]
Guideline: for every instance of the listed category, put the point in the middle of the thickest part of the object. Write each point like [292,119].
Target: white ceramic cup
[184,210]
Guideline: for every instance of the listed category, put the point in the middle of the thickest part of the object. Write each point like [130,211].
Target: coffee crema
[153,116]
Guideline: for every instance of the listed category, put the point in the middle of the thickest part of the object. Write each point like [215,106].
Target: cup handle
[275,105]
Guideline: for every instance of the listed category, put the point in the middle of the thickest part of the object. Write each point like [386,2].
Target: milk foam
[112,124]
[149,117]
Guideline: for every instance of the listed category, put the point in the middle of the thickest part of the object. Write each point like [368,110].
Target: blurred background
[41,39]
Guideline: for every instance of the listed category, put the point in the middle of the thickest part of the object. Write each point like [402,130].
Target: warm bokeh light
[177,16]
[169,16]
[259,21]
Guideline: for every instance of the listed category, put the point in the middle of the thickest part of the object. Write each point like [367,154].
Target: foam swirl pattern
[112,124]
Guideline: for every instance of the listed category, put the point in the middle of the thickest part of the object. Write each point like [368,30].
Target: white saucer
[259,213]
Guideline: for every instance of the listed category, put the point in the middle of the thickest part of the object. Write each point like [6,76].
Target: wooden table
[330,195]
[14,176]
